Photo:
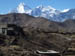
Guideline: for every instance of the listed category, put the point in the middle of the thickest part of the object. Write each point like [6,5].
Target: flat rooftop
[48,52]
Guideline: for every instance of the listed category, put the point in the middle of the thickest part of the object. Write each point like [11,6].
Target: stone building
[3,28]
[9,29]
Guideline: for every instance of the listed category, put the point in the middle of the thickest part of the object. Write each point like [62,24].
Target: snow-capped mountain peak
[50,7]
[40,7]
[46,12]
[65,10]
[20,8]
[40,11]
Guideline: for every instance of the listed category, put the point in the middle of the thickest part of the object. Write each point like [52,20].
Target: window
[4,31]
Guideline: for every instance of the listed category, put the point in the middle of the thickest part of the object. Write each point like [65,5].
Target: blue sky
[7,5]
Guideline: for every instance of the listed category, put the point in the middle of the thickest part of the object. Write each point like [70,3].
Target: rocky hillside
[38,32]
[41,23]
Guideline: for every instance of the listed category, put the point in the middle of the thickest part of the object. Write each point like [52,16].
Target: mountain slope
[39,32]
[41,23]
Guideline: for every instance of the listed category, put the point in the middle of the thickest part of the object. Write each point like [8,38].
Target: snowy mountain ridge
[46,12]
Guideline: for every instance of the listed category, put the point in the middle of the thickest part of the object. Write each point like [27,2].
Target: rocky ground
[38,34]
[32,41]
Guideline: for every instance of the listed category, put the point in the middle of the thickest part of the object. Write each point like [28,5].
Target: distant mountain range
[46,12]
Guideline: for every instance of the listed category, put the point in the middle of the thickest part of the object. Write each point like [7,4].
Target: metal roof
[47,52]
